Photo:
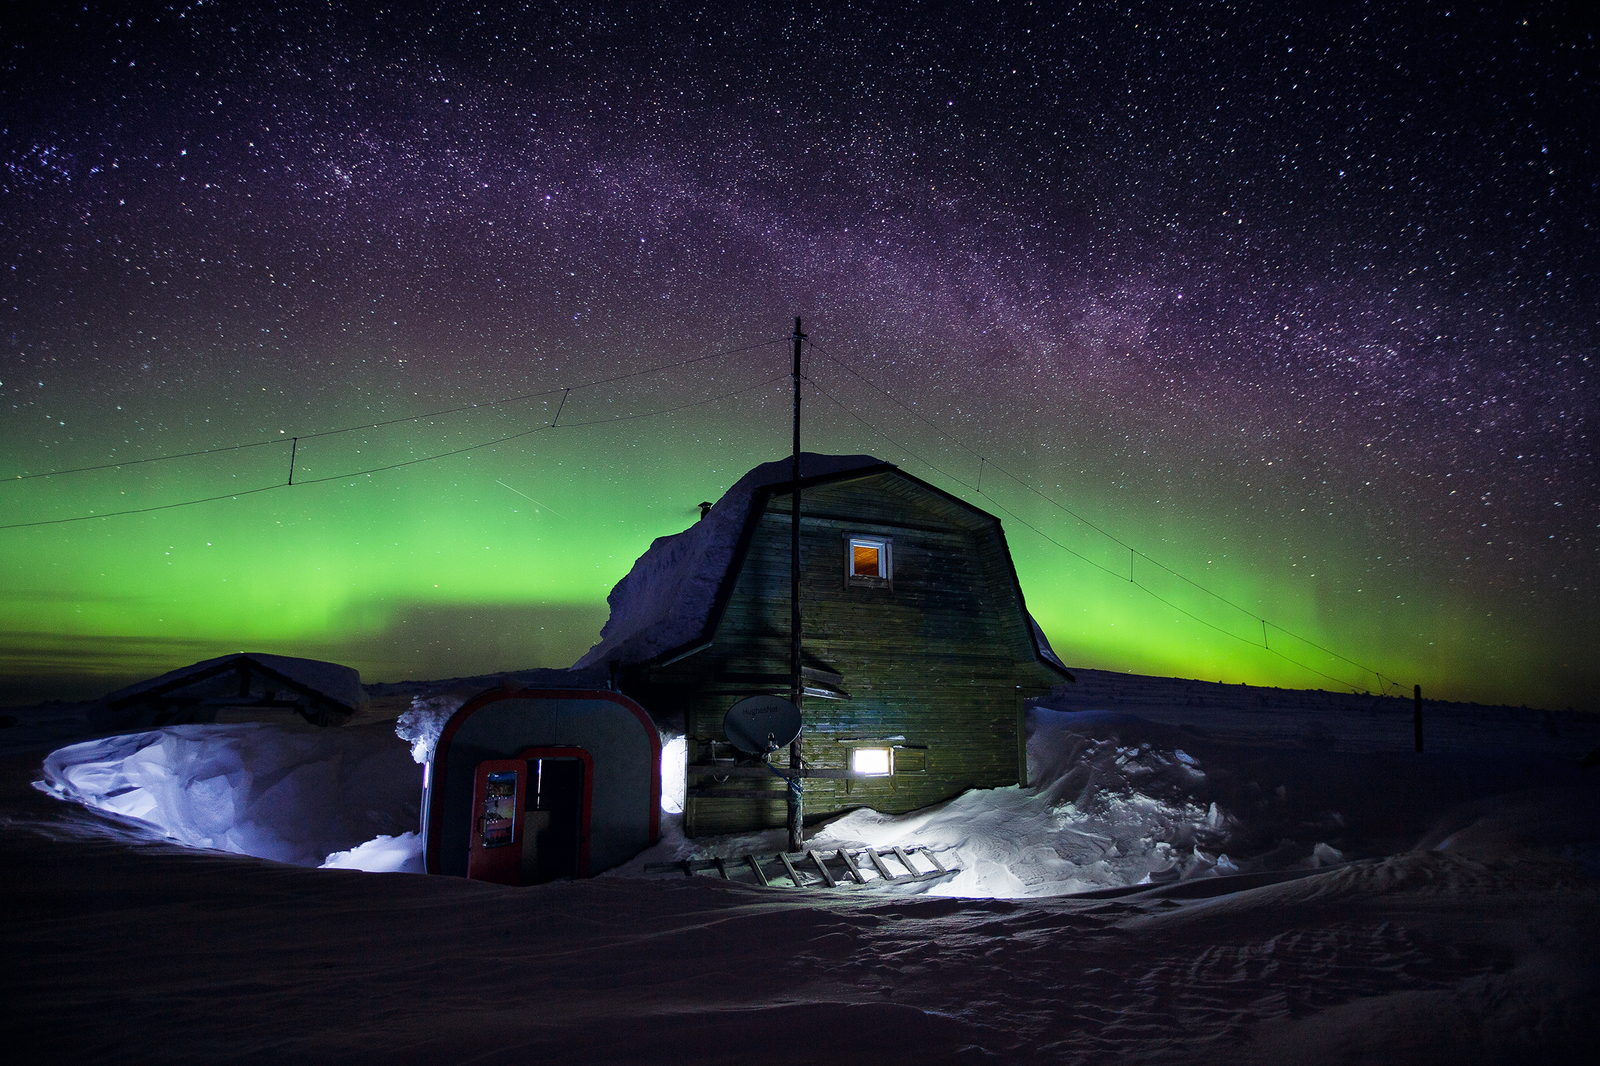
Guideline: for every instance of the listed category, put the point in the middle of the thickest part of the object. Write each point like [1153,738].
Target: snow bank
[1111,805]
[421,725]
[382,854]
[293,795]
[1115,801]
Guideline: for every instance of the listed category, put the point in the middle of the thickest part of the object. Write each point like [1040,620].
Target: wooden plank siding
[938,659]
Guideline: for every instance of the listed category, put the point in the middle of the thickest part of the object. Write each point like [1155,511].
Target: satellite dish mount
[761,725]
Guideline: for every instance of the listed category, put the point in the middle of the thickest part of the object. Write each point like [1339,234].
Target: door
[555,839]
[498,799]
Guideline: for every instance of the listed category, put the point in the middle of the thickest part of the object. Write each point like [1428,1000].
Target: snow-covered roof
[665,601]
[331,681]
[1046,652]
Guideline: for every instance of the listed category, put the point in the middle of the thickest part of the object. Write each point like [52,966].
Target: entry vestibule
[533,786]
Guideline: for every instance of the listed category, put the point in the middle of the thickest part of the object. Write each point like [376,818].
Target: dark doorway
[553,826]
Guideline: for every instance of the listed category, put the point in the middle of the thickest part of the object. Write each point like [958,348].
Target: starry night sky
[1300,307]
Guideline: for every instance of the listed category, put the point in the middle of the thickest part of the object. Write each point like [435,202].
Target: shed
[918,648]
[531,785]
[247,686]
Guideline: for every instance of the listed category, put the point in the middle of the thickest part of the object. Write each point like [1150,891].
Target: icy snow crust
[665,601]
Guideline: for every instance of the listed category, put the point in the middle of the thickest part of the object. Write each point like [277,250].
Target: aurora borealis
[1301,306]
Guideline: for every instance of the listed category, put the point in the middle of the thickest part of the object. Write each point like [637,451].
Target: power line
[280,440]
[157,458]
[945,473]
[986,461]
[565,391]
[960,443]
[983,460]
[1139,585]
[671,410]
[146,510]
[396,466]
[685,362]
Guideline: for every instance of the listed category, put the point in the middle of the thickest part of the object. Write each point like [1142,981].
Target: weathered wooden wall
[937,663]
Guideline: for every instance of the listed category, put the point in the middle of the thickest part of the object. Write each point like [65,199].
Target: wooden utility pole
[796,681]
[1416,713]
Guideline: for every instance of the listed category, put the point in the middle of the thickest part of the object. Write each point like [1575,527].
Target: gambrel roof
[670,603]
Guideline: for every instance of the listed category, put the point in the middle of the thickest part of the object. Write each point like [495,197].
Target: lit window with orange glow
[867,560]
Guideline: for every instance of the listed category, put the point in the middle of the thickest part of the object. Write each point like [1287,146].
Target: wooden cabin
[918,650]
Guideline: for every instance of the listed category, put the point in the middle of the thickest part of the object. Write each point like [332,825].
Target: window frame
[888,751]
[885,547]
[915,763]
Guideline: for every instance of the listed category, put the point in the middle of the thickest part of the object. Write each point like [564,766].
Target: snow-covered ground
[1273,877]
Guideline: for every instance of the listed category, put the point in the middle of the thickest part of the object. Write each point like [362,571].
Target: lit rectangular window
[868,560]
[876,762]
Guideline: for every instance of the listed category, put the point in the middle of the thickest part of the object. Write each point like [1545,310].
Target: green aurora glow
[501,559]
[1296,303]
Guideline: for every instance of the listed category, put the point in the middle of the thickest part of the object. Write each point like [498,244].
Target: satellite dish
[761,724]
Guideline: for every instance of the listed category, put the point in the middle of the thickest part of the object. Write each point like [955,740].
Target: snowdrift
[1118,799]
[1115,800]
[665,600]
[293,795]
[1464,929]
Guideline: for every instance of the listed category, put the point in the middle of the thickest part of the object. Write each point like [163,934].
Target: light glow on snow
[1110,806]
[382,854]
[296,796]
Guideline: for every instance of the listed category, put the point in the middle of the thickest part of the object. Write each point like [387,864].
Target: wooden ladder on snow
[812,869]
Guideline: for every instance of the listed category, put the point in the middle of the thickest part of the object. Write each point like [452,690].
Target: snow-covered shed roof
[667,603]
[329,682]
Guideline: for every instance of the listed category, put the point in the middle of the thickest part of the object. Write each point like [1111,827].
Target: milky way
[1291,315]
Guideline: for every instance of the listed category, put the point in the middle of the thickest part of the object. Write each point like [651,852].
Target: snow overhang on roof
[1046,652]
[665,601]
